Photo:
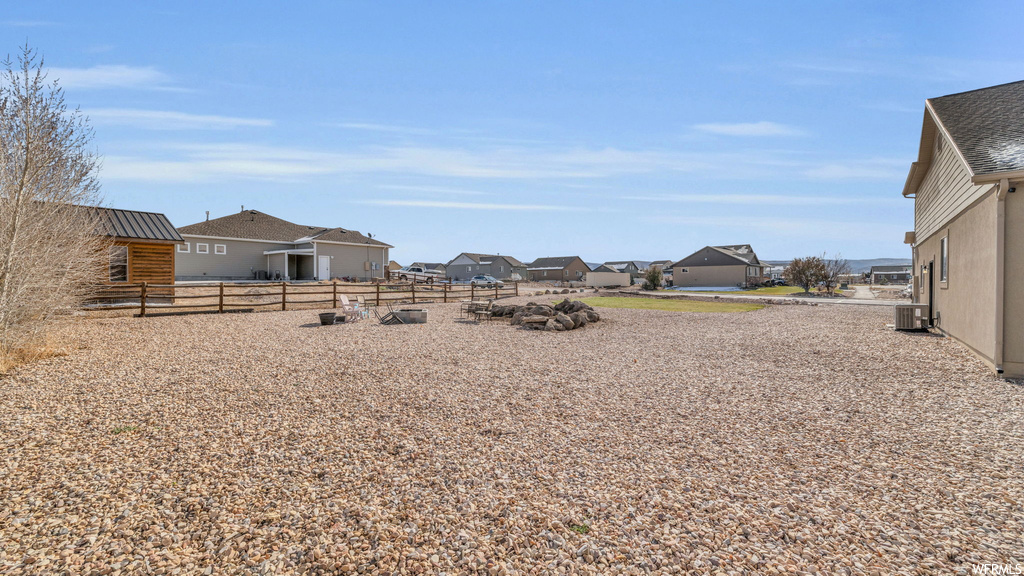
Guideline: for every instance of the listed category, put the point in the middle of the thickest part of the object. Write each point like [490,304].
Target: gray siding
[464,268]
[350,261]
[945,191]
[241,259]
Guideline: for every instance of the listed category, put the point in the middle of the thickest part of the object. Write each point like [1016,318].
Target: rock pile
[566,315]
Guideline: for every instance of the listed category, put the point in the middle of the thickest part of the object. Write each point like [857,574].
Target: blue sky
[609,130]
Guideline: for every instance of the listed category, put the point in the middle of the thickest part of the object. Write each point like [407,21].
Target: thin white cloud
[433,190]
[389,128]
[473,206]
[760,199]
[169,120]
[762,128]
[113,76]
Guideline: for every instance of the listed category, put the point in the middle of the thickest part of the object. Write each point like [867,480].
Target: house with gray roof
[251,245]
[736,265]
[469,264]
[891,274]
[635,268]
[558,269]
[968,236]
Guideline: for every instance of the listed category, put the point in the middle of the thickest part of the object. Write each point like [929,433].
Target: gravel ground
[793,439]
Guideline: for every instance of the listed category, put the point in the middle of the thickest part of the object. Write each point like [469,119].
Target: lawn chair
[363,308]
[469,308]
[349,309]
[486,311]
[387,319]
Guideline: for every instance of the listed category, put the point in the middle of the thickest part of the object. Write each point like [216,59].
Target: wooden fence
[221,297]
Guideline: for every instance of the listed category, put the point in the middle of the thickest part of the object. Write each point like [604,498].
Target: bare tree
[50,252]
[835,269]
[805,272]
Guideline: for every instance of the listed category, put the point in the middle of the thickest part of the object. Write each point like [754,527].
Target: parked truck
[419,274]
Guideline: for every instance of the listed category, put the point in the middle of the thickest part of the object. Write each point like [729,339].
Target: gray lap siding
[238,262]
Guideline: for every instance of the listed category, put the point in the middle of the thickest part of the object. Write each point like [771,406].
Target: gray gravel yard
[793,439]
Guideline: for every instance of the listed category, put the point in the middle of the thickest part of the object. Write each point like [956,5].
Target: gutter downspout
[1004,186]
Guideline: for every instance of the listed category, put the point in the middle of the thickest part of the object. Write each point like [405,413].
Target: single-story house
[663,265]
[251,245]
[392,265]
[558,269]
[432,266]
[142,248]
[714,266]
[632,267]
[968,237]
[891,274]
[602,268]
[469,264]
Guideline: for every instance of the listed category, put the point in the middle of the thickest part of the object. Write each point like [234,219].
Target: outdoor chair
[485,311]
[350,310]
[362,307]
[387,319]
[469,308]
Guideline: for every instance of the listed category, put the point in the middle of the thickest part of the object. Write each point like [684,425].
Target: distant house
[635,268]
[252,245]
[968,239]
[891,274]
[714,266]
[603,268]
[663,265]
[469,264]
[558,269]
[431,266]
[142,249]
[394,266]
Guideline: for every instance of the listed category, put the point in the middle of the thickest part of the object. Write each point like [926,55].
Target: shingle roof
[255,225]
[987,126]
[487,258]
[741,251]
[554,263]
[603,268]
[135,224]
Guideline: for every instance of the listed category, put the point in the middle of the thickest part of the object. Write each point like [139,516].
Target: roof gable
[733,255]
[986,126]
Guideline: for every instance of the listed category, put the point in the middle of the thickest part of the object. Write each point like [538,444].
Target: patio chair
[469,308]
[485,311]
[351,310]
[387,319]
[363,308]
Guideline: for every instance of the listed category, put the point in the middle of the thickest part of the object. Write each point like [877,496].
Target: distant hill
[858,266]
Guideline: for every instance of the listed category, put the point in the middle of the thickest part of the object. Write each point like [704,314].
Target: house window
[501,268]
[118,263]
[944,260]
[565,272]
[684,270]
[220,249]
[183,248]
[579,274]
[202,248]
[545,273]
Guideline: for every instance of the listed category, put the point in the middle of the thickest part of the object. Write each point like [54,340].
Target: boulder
[592,315]
[579,319]
[565,290]
[552,325]
[566,322]
[517,318]
[542,311]
[547,291]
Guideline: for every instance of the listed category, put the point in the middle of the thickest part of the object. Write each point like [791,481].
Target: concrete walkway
[863,293]
[839,301]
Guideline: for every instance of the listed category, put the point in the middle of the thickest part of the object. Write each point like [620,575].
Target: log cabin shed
[143,246]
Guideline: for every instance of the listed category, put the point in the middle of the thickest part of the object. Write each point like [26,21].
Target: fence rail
[153,299]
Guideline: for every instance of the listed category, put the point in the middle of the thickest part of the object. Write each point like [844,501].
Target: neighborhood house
[558,269]
[968,238]
[251,245]
[466,265]
[891,274]
[719,266]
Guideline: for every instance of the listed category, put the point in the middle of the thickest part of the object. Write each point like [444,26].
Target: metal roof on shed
[135,224]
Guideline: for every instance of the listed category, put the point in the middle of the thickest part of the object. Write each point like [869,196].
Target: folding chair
[388,319]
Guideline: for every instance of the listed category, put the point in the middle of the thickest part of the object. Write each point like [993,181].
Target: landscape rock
[566,322]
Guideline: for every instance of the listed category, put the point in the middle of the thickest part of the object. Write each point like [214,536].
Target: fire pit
[412,315]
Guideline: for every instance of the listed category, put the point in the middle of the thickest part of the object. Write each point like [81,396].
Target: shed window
[220,249]
[183,248]
[944,260]
[118,263]
[202,248]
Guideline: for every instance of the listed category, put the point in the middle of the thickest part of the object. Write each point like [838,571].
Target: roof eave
[995,177]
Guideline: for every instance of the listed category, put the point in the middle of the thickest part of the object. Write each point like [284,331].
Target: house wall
[945,191]
[1013,306]
[502,269]
[457,268]
[241,259]
[147,262]
[710,276]
[351,261]
[602,279]
[965,305]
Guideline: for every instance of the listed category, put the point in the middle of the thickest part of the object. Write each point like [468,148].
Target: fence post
[378,295]
[444,293]
[495,290]
[516,284]
[472,290]
[220,300]
[284,296]
[142,300]
[334,296]
[414,291]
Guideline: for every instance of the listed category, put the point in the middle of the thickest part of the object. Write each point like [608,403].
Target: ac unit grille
[911,317]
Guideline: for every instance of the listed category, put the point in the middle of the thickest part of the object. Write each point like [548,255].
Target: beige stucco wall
[1013,324]
[601,279]
[350,261]
[966,303]
[710,276]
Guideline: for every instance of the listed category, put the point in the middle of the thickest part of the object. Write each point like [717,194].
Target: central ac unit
[912,317]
